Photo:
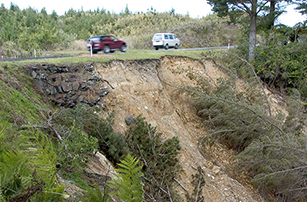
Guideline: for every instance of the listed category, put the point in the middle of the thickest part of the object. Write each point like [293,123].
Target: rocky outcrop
[69,84]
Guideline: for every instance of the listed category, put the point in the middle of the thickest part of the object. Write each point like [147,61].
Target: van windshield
[157,37]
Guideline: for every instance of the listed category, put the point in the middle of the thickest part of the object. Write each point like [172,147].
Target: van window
[171,37]
[165,36]
[157,37]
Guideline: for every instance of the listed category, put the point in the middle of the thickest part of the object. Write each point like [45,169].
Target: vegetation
[40,142]
[159,159]
[282,67]
[269,146]
[127,183]
[27,156]
[22,31]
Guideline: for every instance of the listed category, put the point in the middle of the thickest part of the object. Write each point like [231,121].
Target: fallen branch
[181,185]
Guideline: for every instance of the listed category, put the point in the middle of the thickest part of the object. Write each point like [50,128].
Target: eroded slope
[150,88]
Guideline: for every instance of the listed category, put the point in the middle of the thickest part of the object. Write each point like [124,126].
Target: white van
[165,40]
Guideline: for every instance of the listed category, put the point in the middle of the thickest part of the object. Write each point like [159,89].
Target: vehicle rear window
[94,39]
[157,37]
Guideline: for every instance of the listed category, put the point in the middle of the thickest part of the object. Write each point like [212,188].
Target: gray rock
[34,74]
[53,90]
[67,87]
[130,120]
[104,91]
[76,86]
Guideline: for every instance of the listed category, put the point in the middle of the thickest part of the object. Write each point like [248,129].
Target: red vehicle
[106,43]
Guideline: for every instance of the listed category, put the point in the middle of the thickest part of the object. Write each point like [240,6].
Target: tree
[252,8]
[302,9]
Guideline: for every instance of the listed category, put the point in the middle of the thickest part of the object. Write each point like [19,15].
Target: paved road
[180,49]
[205,48]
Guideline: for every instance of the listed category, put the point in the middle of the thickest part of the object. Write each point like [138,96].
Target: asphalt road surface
[179,49]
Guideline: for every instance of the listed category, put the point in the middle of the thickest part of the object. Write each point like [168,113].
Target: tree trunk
[252,31]
[272,14]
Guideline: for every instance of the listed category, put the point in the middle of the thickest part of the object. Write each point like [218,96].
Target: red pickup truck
[106,43]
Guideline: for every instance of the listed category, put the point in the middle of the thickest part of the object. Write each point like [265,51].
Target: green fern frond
[41,153]
[128,184]
[29,170]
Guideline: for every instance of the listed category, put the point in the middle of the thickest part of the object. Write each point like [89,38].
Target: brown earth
[150,88]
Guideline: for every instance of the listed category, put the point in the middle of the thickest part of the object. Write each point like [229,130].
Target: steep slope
[150,88]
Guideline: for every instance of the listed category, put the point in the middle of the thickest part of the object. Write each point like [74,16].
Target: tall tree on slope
[251,7]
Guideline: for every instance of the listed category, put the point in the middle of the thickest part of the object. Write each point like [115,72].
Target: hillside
[47,96]
[150,87]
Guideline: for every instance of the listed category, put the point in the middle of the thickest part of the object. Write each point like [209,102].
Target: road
[204,48]
[180,49]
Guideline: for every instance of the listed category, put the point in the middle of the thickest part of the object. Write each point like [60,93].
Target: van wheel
[176,46]
[157,48]
[166,46]
[106,49]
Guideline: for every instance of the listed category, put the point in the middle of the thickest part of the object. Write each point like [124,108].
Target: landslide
[150,87]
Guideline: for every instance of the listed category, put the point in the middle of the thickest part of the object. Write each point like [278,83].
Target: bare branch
[261,7]
[169,194]
[253,70]
[282,171]
[198,186]
[181,185]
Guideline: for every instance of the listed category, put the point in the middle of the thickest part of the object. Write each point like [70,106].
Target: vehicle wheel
[166,47]
[123,48]
[176,46]
[106,49]
[157,48]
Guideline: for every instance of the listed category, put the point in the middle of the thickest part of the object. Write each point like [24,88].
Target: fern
[28,171]
[43,159]
[15,174]
[128,183]
[95,195]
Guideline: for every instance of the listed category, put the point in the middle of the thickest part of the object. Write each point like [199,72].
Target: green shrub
[159,159]
[76,147]
[87,119]
[282,66]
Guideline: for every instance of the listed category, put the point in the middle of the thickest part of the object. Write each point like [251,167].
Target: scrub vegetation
[40,142]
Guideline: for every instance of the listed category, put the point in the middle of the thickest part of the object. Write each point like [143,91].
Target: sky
[195,8]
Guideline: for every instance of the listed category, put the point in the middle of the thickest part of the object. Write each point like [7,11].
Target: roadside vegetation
[23,31]
[41,142]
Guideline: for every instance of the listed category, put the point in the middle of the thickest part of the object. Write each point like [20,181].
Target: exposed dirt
[150,88]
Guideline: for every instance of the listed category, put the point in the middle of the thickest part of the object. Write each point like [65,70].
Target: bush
[87,119]
[282,66]
[76,147]
[159,159]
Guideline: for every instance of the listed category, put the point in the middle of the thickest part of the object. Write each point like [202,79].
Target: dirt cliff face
[150,88]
